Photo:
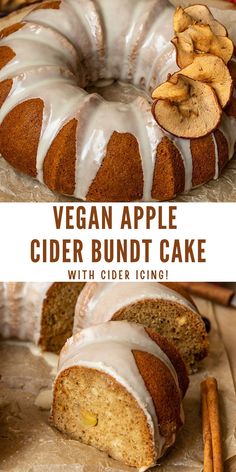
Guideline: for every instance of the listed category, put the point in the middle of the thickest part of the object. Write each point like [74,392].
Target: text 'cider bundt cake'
[161,308]
[39,312]
[79,144]
[119,388]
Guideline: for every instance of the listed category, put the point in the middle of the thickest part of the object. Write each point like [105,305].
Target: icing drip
[65,20]
[37,46]
[157,55]
[183,145]
[100,301]
[61,104]
[228,128]
[101,123]
[150,136]
[108,348]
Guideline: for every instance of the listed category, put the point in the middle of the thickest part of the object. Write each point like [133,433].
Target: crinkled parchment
[17,187]
[28,443]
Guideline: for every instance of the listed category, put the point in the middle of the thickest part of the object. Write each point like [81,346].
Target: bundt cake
[38,312]
[79,144]
[119,388]
[161,308]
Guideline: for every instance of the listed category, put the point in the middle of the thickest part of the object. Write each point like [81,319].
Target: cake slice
[163,308]
[119,388]
[42,313]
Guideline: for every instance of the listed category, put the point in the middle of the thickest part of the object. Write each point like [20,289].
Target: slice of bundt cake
[58,314]
[163,308]
[119,388]
[38,312]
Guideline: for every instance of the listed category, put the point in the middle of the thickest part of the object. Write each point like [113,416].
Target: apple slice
[194,116]
[182,20]
[199,39]
[197,14]
[213,71]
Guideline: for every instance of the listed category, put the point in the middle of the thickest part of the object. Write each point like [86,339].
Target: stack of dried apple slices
[191,102]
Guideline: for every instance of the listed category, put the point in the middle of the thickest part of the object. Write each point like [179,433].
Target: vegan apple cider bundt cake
[119,388]
[80,144]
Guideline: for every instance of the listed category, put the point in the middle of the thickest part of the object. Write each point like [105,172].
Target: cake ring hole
[116,91]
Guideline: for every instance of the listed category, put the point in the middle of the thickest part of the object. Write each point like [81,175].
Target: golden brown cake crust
[183,327]
[6,55]
[173,354]
[169,173]
[10,29]
[23,124]
[5,88]
[203,158]
[48,5]
[58,314]
[223,151]
[120,176]
[59,163]
[164,392]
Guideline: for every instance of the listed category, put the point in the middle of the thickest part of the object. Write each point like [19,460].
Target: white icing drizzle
[61,104]
[88,15]
[228,128]
[59,51]
[65,20]
[150,136]
[117,38]
[102,121]
[25,86]
[98,302]
[36,46]
[163,64]
[21,310]
[108,348]
[183,145]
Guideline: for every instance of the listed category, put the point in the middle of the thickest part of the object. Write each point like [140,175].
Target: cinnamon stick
[206,433]
[213,458]
[210,291]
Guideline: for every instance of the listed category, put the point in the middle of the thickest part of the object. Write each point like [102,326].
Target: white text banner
[102,242]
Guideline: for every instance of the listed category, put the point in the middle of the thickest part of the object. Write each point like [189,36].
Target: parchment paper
[28,443]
